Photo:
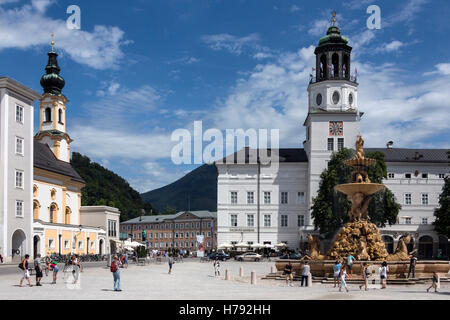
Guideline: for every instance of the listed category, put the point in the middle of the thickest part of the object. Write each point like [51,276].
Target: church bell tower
[52,110]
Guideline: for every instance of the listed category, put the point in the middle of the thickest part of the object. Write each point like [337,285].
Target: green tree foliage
[104,187]
[330,208]
[442,213]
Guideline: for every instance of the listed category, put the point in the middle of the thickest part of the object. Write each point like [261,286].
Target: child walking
[435,282]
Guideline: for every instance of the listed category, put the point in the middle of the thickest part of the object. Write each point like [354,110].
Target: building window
[192,225]
[340,143]
[284,220]
[51,243]
[408,198]
[198,225]
[267,220]
[156,235]
[425,198]
[181,226]
[301,197]
[250,220]
[19,114]
[186,226]
[209,224]
[391,175]
[250,197]
[300,220]
[66,244]
[424,220]
[424,175]
[330,144]
[19,146]
[234,220]
[233,197]
[407,220]
[60,118]
[19,208]
[48,115]
[80,244]
[267,197]
[284,198]
[407,175]
[19,179]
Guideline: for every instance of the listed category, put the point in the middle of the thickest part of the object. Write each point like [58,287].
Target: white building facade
[274,205]
[16,167]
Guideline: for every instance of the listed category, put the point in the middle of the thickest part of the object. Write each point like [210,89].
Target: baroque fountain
[360,237]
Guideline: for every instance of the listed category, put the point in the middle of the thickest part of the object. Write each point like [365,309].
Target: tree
[330,208]
[442,213]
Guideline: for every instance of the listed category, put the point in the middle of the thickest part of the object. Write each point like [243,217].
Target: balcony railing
[313,79]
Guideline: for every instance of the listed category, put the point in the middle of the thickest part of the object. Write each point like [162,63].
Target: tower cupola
[51,81]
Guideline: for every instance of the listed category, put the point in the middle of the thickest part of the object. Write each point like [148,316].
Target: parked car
[293,256]
[222,256]
[248,256]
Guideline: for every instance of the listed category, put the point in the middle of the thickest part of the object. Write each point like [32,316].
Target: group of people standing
[306,271]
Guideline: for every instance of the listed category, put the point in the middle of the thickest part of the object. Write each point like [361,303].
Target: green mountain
[104,187]
[195,191]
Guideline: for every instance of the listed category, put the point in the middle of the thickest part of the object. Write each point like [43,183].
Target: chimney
[389,144]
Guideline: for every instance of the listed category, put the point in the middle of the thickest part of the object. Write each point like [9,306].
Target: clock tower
[333,117]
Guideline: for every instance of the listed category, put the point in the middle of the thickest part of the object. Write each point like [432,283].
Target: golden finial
[53,41]
[333,20]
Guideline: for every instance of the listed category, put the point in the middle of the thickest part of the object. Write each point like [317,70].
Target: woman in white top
[343,275]
[383,274]
[217,267]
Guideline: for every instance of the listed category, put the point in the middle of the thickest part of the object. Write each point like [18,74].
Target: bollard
[309,280]
[253,278]
[227,274]
[241,271]
[273,269]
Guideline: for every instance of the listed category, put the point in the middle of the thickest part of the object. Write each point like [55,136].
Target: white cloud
[319,27]
[391,46]
[28,26]
[442,68]
[184,60]
[294,8]
[232,44]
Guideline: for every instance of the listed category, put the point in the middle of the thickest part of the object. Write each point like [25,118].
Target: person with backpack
[54,266]
[25,274]
[116,273]
[38,269]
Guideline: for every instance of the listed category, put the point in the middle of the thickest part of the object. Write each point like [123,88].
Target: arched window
[36,207]
[389,243]
[67,215]
[426,247]
[346,66]
[35,190]
[60,114]
[53,213]
[53,194]
[335,65]
[323,67]
[48,115]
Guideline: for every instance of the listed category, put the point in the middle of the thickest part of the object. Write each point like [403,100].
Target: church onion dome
[51,81]
[333,37]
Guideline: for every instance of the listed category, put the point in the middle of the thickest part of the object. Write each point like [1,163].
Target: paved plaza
[194,280]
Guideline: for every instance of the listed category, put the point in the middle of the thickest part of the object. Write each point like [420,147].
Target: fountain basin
[397,269]
[364,188]
[360,162]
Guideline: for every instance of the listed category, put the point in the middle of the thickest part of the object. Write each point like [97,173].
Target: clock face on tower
[336,128]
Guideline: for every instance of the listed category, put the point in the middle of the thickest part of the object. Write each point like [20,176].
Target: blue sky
[138,70]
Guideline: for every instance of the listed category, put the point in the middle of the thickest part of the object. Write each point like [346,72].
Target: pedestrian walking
[350,259]
[288,273]
[1,258]
[54,266]
[336,271]
[412,266]
[217,267]
[383,274]
[305,274]
[171,262]
[76,268]
[343,275]
[435,282]
[38,269]
[116,273]
[365,274]
[125,260]
[25,274]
